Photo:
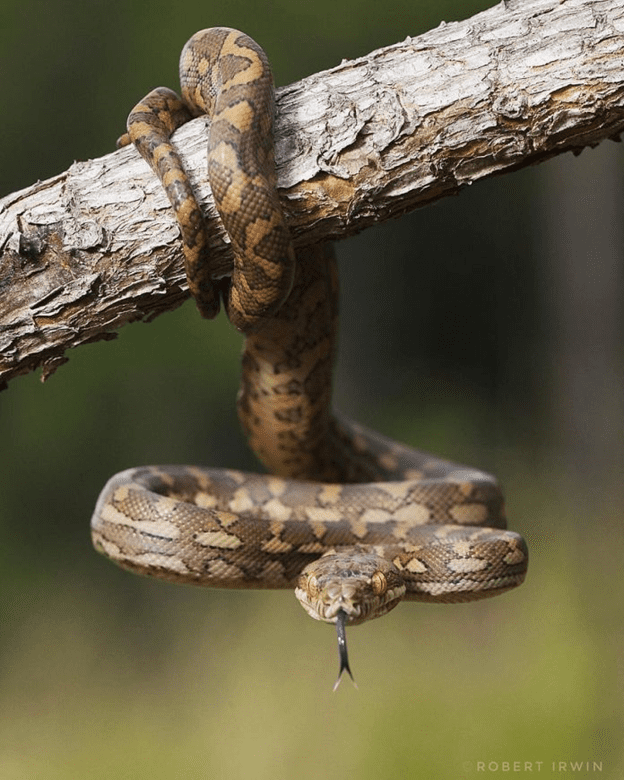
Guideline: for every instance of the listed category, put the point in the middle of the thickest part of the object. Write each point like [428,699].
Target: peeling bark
[97,246]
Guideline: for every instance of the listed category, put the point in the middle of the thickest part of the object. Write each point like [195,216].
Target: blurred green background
[487,328]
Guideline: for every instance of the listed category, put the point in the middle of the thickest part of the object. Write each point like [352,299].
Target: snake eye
[378,583]
[312,585]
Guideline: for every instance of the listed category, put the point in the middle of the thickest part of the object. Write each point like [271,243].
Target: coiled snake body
[354,522]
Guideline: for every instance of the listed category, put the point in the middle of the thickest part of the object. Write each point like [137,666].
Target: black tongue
[343,653]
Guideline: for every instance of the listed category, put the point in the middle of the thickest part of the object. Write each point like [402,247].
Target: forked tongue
[342,647]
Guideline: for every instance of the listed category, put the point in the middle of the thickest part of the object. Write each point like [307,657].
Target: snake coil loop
[351,520]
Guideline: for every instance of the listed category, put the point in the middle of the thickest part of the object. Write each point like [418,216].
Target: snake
[352,521]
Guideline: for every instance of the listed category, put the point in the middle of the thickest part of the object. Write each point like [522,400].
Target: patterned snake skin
[381,522]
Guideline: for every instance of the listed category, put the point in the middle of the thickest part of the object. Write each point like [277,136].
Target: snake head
[346,587]
[357,582]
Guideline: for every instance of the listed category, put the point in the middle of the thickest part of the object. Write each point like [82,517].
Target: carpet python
[352,521]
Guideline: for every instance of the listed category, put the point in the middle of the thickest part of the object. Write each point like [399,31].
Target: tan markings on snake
[226,75]
[353,521]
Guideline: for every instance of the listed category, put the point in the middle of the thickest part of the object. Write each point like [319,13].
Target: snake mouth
[341,621]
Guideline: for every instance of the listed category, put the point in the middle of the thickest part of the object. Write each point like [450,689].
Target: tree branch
[97,246]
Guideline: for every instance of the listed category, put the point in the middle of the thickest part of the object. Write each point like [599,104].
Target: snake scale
[352,521]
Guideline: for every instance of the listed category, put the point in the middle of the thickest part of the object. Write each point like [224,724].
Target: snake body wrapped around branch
[352,521]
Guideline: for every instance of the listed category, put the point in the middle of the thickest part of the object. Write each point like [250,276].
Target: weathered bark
[97,246]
